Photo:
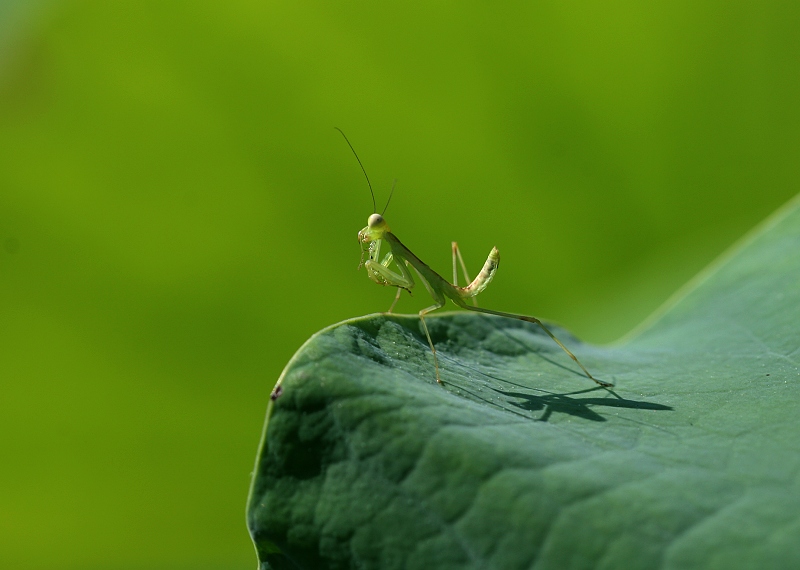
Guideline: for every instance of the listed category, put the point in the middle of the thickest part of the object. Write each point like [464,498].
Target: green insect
[377,232]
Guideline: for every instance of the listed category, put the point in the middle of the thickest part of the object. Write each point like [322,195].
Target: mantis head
[375,230]
[370,237]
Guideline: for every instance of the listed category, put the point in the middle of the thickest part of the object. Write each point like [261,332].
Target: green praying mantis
[377,231]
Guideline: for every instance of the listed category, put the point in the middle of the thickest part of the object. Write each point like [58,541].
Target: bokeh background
[177,214]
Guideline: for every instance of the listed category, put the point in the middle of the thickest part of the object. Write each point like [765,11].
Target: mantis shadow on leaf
[578,407]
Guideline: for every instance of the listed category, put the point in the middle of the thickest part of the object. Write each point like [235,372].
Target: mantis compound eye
[375,220]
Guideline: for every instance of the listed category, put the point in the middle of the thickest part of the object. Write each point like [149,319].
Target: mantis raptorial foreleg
[382,275]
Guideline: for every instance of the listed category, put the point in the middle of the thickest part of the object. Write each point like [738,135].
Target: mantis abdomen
[483,279]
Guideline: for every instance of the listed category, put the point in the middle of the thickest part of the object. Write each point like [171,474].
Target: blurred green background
[177,214]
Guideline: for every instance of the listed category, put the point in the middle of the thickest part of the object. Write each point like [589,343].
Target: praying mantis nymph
[377,232]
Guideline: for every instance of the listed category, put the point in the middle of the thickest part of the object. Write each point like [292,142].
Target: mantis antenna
[394,182]
[374,207]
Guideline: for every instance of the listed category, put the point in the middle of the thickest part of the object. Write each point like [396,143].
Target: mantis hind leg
[526,318]
[457,256]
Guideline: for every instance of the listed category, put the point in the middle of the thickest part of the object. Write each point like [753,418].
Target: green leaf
[691,461]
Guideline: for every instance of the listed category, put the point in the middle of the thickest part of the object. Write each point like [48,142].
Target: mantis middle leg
[396,298]
[440,300]
[380,273]
[439,304]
